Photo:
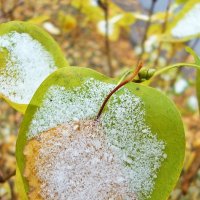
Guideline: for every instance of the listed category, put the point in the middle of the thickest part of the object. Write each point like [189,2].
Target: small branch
[12,192]
[171,56]
[4,179]
[164,26]
[105,7]
[177,65]
[191,173]
[130,79]
[2,8]
[147,28]
[10,12]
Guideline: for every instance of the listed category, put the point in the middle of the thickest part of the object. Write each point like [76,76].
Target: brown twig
[105,6]
[188,177]
[129,79]
[10,12]
[12,191]
[2,8]
[147,29]
[4,179]
[164,26]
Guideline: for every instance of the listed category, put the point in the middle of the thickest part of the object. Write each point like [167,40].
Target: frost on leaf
[74,161]
[189,25]
[136,151]
[26,63]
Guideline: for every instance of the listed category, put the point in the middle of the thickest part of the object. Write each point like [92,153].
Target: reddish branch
[129,79]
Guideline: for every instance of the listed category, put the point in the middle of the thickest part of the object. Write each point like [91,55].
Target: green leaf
[136,117]
[38,20]
[184,26]
[19,185]
[19,107]
[193,53]
[28,55]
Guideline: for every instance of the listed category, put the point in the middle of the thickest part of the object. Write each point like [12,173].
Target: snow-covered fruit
[135,149]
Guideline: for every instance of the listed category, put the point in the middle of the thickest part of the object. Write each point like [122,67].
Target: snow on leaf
[26,60]
[24,71]
[138,139]
[189,24]
[184,25]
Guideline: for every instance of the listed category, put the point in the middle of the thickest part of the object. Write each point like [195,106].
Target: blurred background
[110,36]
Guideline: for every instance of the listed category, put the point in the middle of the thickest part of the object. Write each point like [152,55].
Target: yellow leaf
[67,22]
[39,19]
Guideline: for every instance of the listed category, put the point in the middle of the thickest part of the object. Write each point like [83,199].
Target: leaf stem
[162,70]
[129,79]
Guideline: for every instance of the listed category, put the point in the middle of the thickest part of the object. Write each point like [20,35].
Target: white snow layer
[189,25]
[140,151]
[28,63]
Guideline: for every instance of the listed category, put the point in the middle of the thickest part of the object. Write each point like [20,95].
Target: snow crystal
[27,65]
[124,125]
[138,148]
[62,106]
[189,24]
[78,164]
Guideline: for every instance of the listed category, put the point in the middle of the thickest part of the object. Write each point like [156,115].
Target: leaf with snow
[134,151]
[28,55]
[185,25]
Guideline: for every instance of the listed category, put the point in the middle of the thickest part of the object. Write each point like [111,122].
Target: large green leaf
[136,117]
[28,55]
[184,25]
